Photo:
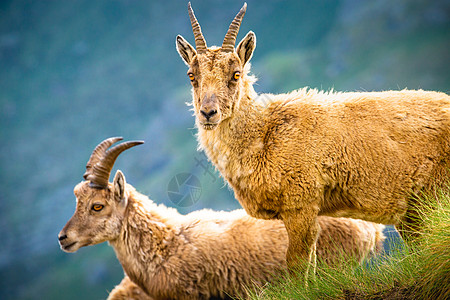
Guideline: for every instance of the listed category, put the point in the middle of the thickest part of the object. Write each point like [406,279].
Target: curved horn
[101,170]
[98,153]
[200,43]
[230,38]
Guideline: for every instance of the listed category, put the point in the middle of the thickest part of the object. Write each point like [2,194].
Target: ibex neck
[246,122]
[229,141]
[143,244]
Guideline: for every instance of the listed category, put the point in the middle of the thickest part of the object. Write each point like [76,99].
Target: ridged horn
[101,170]
[200,42]
[98,153]
[230,38]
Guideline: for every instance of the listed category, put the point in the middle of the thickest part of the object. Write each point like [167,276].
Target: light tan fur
[306,153]
[128,290]
[342,238]
[199,255]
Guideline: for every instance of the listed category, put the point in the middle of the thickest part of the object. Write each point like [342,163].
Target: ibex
[195,256]
[307,153]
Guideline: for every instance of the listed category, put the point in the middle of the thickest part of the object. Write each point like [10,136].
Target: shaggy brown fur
[128,290]
[340,237]
[307,153]
[202,254]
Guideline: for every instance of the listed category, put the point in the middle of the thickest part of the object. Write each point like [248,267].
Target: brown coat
[208,253]
[307,153]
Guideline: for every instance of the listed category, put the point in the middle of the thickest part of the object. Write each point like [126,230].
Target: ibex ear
[186,51]
[119,188]
[246,47]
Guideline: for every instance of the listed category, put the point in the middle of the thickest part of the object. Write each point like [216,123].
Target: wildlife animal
[200,255]
[306,153]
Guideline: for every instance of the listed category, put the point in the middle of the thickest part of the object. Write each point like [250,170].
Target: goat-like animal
[195,256]
[307,153]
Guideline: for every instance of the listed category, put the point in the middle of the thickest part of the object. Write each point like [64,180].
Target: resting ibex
[195,256]
[307,153]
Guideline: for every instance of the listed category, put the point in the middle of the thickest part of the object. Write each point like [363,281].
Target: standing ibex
[196,256]
[307,153]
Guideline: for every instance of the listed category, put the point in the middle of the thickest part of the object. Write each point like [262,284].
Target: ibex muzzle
[209,110]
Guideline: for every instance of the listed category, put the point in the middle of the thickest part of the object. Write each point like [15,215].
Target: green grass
[419,270]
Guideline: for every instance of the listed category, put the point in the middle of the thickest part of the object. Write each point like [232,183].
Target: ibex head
[216,73]
[100,204]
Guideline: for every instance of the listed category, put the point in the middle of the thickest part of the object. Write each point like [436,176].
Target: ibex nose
[208,109]
[208,113]
[62,237]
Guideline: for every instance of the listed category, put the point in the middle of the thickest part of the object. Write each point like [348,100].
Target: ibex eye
[97,207]
[236,75]
[191,76]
